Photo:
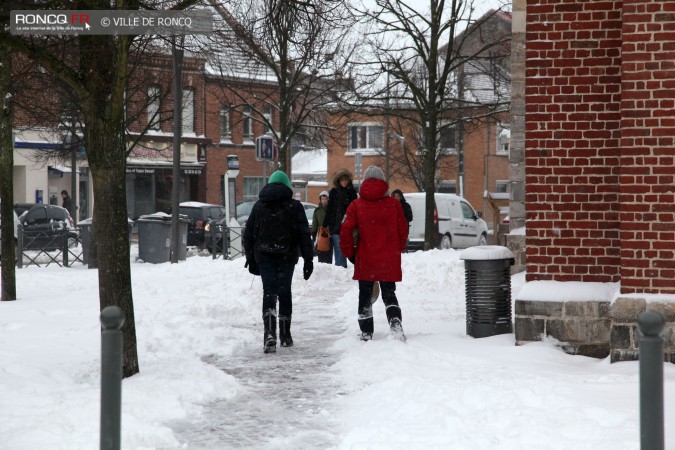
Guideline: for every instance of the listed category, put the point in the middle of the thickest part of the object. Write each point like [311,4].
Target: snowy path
[286,403]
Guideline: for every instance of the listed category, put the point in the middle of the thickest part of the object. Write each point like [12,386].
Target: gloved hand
[252,267]
[307,269]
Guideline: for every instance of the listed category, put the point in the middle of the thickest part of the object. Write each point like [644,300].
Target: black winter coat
[302,241]
[407,209]
[339,199]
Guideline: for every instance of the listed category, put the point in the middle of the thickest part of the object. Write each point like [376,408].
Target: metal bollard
[64,246]
[112,320]
[651,325]
[214,240]
[19,246]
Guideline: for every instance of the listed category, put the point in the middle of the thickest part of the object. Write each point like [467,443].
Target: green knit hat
[281,178]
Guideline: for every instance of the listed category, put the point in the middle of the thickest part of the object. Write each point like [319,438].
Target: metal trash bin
[488,290]
[154,238]
[86,233]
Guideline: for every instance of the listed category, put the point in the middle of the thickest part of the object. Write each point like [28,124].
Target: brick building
[600,144]
[486,166]
[599,153]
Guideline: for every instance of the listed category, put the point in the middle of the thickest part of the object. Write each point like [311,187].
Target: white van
[459,225]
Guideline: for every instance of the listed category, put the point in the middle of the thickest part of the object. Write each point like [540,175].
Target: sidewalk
[288,394]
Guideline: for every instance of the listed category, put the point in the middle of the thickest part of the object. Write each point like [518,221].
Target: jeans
[340,259]
[388,290]
[276,279]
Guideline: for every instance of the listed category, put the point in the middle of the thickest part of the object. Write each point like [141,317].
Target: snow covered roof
[310,162]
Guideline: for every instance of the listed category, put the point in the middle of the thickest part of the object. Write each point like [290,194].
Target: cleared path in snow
[288,394]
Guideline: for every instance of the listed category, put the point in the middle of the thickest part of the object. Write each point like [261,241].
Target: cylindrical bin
[488,290]
[154,238]
[86,234]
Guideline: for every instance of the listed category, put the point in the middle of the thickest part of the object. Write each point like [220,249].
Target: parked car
[20,208]
[458,223]
[244,209]
[309,210]
[242,212]
[199,215]
[44,226]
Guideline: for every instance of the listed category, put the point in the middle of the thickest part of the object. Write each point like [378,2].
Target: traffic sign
[265,148]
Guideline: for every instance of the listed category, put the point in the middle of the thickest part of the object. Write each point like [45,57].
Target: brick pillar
[648,147]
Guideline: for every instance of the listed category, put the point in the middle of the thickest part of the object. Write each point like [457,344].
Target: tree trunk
[430,189]
[110,230]
[8,246]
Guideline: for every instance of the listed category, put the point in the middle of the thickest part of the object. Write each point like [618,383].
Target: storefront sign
[140,170]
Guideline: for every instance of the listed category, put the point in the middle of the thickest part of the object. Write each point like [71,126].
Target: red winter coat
[383,232]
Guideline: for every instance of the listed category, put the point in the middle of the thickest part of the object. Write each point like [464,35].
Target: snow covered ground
[204,377]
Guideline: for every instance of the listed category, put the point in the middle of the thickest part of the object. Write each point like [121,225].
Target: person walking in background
[340,197]
[382,236]
[407,209]
[276,232]
[67,203]
[317,220]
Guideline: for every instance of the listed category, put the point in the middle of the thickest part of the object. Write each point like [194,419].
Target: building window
[366,137]
[188,112]
[225,132]
[502,186]
[248,123]
[154,118]
[503,139]
[447,187]
[267,114]
[446,140]
[252,187]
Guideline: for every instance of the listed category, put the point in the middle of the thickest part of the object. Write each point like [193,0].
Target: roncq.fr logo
[53,19]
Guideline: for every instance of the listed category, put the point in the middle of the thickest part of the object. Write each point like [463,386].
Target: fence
[54,245]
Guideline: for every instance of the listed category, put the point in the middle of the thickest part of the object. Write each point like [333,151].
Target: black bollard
[112,320]
[651,325]
[19,246]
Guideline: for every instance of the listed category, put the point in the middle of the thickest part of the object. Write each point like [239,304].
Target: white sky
[441,390]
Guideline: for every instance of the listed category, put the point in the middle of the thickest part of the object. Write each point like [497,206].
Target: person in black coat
[339,198]
[277,232]
[67,203]
[407,209]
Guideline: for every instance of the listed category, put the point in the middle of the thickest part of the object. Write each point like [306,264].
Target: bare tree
[444,69]
[300,48]
[96,69]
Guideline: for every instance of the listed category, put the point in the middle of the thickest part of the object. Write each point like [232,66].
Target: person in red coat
[382,235]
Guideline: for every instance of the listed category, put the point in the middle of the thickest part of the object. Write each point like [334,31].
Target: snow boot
[270,337]
[397,329]
[365,336]
[285,331]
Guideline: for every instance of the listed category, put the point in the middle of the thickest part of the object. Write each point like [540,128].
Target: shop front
[149,179]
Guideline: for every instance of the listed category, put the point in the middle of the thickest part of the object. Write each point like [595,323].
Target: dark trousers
[276,279]
[388,291]
[326,257]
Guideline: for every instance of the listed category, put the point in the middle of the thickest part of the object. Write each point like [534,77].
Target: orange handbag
[323,240]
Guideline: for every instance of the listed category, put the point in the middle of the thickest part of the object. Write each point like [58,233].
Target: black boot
[270,338]
[285,331]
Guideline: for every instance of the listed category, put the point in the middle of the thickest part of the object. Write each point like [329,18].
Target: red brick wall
[648,147]
[600,145]
[572,120]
